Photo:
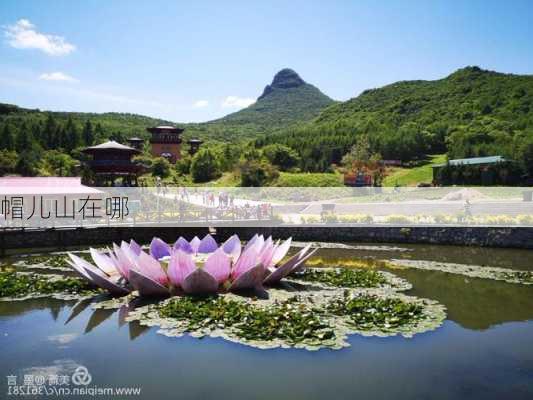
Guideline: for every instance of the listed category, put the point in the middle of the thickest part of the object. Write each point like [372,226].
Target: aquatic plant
[198,266]
[344,277]
[289,320]
[323,316]
[14,284]
[367,311]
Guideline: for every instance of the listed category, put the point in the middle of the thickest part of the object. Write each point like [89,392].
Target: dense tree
[229,156]
[255,173]
[88,133]
[27,163]
[72,136]
[55,163]
[183,166]
[470,113]
[282,156]
[8,162]
[50,132]
[7,140]
[161,167]
[25,140]
[205,166]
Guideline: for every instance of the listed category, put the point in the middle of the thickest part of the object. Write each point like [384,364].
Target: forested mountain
[48,143]
[472,112]
[116,125]
[286,101]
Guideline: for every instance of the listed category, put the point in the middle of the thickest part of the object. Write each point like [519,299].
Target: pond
[482,350]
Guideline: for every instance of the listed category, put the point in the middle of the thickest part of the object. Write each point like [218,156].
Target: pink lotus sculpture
[198,266]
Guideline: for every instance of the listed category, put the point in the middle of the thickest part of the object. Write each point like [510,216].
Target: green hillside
[118,125]
[286,101]
[472,112]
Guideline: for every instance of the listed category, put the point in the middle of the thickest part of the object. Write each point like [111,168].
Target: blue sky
[195,61]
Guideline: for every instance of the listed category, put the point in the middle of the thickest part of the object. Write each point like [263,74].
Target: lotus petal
[159,249]
[218,265]
[122,261]
[251,279]
[145,285]
[182,244]
[150,267]
[129,253]
[180,266]
[103,262]
[251,241]
[207,245]
[266,253]
[287,268]
[105,283]
[248,259]
[200,281]
[195,243]
[135,247]
[116,262]
[300,265]
[233,247]
[80,266]
[281,251]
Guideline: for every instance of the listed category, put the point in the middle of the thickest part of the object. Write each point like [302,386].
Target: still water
[484,350]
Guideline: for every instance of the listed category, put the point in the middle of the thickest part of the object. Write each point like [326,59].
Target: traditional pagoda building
[112,160]
[166,142]
[136,143]
[194,145]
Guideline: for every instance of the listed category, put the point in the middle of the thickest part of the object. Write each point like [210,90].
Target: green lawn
[287,179]
[413,176]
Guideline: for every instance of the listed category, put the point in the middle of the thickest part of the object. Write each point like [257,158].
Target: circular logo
[81,376]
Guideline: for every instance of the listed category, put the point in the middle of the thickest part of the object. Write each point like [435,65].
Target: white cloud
[23,35]
[200,104]
[57,76]
[237,102]
[63,339]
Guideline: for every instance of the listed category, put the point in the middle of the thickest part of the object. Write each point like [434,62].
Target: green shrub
[257,173]
[161,167]
[205,166]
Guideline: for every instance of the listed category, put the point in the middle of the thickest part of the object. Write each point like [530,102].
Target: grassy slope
[287,179]
[415,175]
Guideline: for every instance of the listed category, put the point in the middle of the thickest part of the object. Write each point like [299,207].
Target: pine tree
[50,132]
[72,136]
[99,134]
[37,133]
[7,140]
[60,138]
[88,134]
[25,141]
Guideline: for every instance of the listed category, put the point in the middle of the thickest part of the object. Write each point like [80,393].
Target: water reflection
[493,257]
[20,307]
[98,316]
[473,303]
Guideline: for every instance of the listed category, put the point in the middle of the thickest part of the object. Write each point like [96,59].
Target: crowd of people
[223,205]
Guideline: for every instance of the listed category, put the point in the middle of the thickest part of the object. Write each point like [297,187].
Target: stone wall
[512,237]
